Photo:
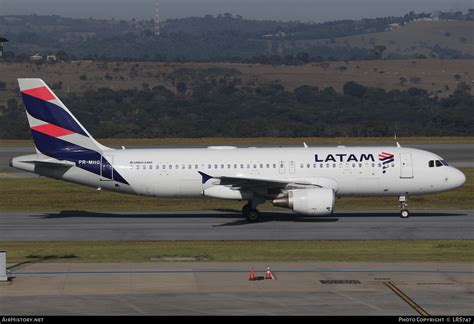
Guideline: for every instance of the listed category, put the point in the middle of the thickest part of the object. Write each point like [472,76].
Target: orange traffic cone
[252,275]
[268,275]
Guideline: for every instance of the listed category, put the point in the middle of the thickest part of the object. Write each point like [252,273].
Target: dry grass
[418,36]
[434,75]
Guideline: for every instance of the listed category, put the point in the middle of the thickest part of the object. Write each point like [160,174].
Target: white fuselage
[349,171]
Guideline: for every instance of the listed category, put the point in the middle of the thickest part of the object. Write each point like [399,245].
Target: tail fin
[56,132]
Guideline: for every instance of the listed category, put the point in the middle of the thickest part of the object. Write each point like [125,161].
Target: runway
[460,155]
[223,288]
[221,225]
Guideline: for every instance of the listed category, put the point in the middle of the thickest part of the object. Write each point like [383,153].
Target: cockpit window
[431,164]
[438,163]
[444,162]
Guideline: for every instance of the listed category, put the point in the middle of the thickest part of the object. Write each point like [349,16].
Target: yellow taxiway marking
[407,299]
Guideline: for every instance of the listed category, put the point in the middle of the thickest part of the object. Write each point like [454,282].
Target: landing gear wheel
[404,213]
[253,216]
[403,200]
[246,209]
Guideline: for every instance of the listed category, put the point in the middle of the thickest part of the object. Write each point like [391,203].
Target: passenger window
[151,166]
[274,165]
[438,163]
[431,163]
[215,166]
[268,166]
[196,166]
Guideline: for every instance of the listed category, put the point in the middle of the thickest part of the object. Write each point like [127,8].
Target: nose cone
[457,178]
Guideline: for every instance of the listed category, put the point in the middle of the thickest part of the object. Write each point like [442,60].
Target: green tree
[354,89]
[181,88]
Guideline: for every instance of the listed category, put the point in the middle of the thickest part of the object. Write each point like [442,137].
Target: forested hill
[228,37]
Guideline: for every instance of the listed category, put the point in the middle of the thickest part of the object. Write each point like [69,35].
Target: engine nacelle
[317,201]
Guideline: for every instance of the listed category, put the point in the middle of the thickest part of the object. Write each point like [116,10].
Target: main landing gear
[250,211]
[403,200]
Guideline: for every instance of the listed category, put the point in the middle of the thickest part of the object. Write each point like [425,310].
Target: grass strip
[124,251]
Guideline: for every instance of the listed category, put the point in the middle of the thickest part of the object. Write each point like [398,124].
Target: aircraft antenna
[157,19]
[395,138]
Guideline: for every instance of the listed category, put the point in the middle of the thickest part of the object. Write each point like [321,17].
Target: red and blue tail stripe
[58,134]
[37,105]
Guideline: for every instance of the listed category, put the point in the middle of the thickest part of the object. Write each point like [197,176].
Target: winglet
[205,177]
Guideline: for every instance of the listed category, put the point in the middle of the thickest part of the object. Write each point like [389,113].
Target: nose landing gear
[404,212]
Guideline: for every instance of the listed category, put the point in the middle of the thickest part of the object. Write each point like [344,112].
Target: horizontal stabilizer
[60,164]
[50,163]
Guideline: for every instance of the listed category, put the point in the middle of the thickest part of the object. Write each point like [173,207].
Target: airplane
[307,180]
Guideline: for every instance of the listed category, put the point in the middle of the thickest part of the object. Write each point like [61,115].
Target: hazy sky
[305,10]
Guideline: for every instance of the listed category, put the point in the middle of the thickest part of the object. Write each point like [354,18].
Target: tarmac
[223,288]
[222,225]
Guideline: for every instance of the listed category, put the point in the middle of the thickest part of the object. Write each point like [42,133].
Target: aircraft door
[281,167]
[292,167]
[406,165]
[106,167]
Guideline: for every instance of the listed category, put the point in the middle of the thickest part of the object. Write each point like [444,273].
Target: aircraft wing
[252,184]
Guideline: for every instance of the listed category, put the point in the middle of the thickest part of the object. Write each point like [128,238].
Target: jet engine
[316,201]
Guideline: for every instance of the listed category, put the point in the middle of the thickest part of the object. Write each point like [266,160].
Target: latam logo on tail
[386,159]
